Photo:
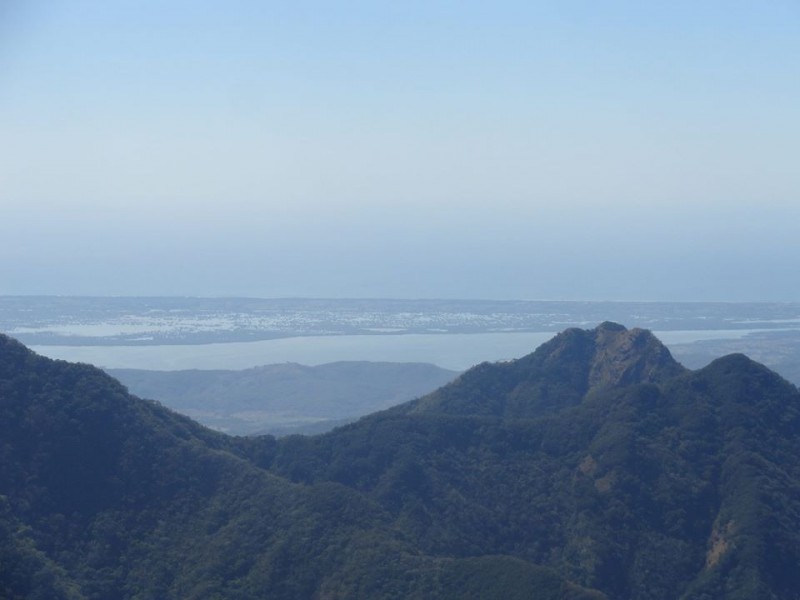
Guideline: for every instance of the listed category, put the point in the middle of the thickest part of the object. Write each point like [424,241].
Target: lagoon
[451,351]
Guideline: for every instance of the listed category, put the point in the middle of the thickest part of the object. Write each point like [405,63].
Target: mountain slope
[104,495]
[559,374]
[645,481]
[594,467]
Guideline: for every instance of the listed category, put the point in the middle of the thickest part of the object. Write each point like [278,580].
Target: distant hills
[596,467]
[285,398]
[779,350]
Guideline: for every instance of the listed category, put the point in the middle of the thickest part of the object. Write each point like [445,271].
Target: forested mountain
[595,467]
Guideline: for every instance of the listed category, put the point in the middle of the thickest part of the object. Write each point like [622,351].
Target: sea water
[450,351]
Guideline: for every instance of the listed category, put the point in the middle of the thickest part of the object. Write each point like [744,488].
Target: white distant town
[51,320]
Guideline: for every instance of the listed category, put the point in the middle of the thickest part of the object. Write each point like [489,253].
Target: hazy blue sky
[546,150]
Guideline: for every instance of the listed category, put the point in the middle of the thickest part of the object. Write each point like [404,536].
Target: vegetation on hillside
[595,467]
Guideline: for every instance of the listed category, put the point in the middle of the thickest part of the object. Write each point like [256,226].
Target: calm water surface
[451,351]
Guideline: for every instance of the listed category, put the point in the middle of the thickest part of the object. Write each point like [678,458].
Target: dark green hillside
[595,467]
[624,472]
[559,374]
[103,495]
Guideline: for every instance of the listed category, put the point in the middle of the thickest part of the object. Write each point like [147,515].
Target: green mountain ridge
[595,467]
[560,373]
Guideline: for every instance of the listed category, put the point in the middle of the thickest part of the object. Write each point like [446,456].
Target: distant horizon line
[389,299]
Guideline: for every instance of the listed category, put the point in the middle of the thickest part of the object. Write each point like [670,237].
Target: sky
[576,150]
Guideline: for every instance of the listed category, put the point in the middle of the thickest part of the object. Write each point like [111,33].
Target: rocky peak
[624,356]
[557,375]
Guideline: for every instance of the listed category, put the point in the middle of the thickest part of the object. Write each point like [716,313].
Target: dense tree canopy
[595,467]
